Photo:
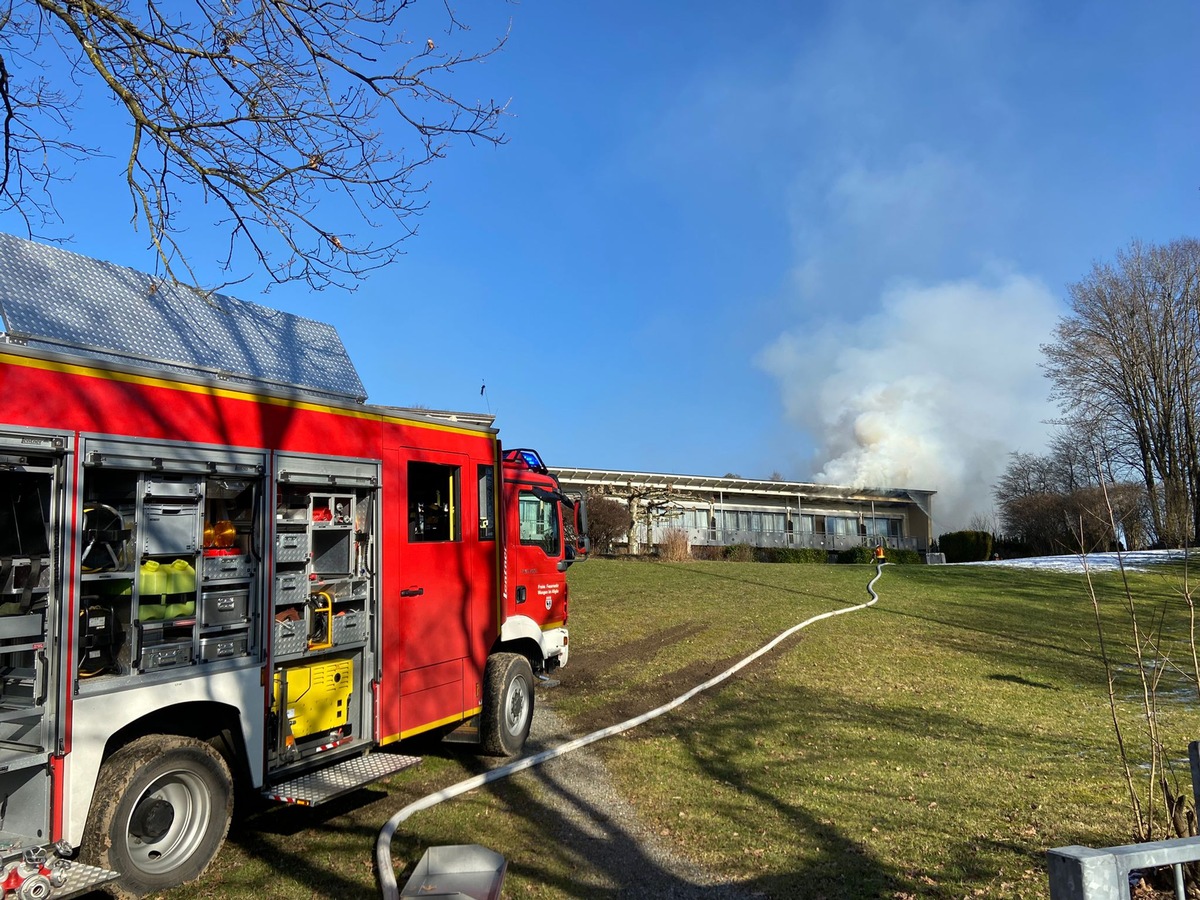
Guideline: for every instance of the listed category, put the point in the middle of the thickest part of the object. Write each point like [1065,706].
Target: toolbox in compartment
[291,547]
[290,637]
[226,566]
[167,655]
[291,587]
[169,529]
[223,607]
[224,646]
[350,627]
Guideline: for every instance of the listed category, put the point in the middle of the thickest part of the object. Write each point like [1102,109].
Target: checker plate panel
[314,788]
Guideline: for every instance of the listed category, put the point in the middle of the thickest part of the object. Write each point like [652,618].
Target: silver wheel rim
[189,799]
[516,705]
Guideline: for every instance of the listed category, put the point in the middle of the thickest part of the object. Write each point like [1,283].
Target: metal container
[172,488]
[223,607]
[291,547]
[169,529]
[290,587]
[167,655]
[290,638]
[224,646]
[459,871]
[233,566]
[350,627]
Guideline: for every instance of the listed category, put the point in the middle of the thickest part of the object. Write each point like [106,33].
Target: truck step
[322,785]
[82,879]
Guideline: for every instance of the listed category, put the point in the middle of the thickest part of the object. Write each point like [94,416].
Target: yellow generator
[313,699]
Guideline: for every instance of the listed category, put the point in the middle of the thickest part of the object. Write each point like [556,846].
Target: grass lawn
[935,745]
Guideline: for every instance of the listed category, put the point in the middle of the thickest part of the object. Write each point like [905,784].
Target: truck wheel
[507,703]
[159,814]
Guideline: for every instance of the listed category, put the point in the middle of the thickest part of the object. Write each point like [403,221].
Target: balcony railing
[701,537]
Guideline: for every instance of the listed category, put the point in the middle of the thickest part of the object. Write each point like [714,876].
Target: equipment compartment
[331,552]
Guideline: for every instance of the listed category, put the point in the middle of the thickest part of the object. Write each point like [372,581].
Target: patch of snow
[1137,561]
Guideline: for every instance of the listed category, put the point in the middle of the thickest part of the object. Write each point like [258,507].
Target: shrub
[608,522]
[857,555]
[708,552]
[740,553]
[674,545]
[966,546]
[896,555]
[807,555]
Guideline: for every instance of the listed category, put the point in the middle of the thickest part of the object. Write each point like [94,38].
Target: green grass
[935,745]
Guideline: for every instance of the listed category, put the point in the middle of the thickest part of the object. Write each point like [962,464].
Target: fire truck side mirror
[583,545]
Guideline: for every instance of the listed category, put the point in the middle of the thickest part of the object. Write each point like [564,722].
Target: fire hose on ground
[383,846]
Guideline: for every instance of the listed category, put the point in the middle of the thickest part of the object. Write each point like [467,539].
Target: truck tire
[507,703]
[160,813]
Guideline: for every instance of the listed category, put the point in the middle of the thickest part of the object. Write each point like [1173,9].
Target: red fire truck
[221,568]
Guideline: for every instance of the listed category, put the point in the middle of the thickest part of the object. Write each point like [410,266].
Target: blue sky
[823,239]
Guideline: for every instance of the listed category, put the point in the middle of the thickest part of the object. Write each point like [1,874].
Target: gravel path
[591,820]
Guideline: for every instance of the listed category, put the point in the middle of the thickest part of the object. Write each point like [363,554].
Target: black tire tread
[500,668]
[116,776]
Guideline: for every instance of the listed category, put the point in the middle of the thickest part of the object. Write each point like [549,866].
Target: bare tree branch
[303,124]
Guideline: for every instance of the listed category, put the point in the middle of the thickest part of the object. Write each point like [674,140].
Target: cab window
[539,523]
[487,503]
[433,507]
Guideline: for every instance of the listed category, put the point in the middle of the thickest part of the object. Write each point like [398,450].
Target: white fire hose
[383,846]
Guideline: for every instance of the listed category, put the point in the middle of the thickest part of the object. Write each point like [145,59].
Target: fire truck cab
[220,567]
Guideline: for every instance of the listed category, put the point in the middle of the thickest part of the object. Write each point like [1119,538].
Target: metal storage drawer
[172,488]
[236,565]
[291,547]
[291,587]
[223,607]
[290,637]
[225,646]
[350,628]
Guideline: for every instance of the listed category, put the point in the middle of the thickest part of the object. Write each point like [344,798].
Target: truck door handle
[412,592]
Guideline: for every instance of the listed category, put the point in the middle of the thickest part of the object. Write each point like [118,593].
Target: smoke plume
[932,390]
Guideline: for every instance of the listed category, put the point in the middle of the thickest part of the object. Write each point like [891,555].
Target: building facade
[727,511]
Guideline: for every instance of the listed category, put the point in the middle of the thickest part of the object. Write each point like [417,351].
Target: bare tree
[1128,354]
[265,110]
[1061,502]
[647,507]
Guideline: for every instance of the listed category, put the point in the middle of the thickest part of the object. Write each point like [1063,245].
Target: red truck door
[536,588]
[440,593]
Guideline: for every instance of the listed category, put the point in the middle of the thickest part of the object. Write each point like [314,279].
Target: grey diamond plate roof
[69,303]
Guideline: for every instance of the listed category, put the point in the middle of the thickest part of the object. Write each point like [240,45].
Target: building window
[880,527]
[841,525]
